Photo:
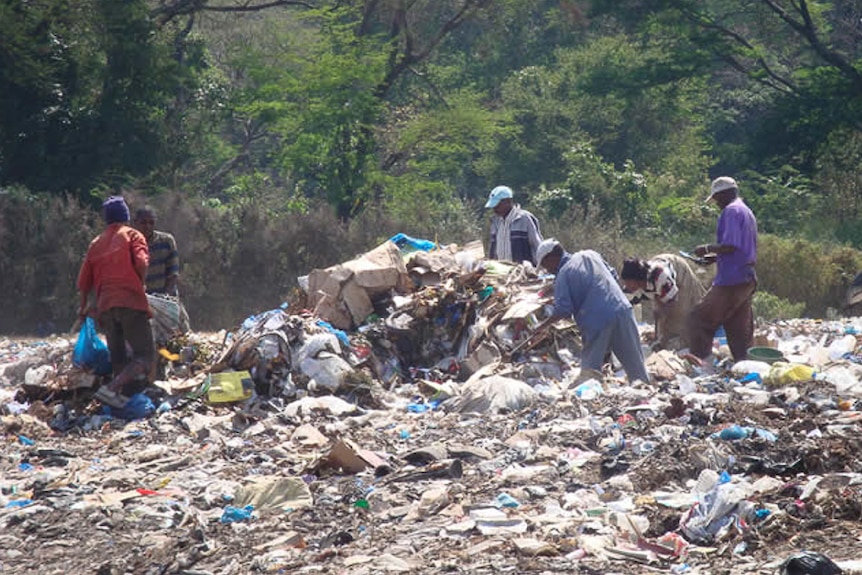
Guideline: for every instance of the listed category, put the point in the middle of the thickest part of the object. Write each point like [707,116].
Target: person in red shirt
[115,268]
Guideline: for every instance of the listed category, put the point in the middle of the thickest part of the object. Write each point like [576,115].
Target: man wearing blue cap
[115,268]
[514,232]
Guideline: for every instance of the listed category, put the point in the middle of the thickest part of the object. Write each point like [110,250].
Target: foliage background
[278,136]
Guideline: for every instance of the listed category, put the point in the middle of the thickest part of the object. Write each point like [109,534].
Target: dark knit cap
[634,269]
[115,210]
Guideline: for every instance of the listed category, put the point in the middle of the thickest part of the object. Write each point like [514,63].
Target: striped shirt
[164,261]
[515,237]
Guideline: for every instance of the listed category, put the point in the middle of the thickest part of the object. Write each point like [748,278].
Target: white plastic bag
[169,317]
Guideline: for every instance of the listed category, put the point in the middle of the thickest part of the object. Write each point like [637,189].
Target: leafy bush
[44,239]
[799,270]
[592,183]
[768,307]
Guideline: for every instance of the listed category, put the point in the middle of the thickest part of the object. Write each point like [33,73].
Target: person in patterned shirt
[164,270]
[673,288]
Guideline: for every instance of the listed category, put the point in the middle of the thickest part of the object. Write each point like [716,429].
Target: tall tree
[86,90]
[322,102]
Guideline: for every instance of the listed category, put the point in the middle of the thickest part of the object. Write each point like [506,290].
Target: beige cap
[721,184]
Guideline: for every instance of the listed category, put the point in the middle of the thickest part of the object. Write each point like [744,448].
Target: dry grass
[245,258]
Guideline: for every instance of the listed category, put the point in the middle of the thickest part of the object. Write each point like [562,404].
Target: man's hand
[84,307]
[171,286]
[702,250]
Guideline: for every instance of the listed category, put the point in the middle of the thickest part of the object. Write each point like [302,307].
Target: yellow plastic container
[229,386]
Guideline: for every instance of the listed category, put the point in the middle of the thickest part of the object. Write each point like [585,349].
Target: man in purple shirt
[728,301]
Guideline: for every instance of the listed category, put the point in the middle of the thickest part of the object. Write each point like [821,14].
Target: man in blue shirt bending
[585,288]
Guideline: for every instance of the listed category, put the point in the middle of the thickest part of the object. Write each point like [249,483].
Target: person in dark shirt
[114,269]
[164,270]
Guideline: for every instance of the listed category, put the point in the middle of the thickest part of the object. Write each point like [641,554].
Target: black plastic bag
[809,563]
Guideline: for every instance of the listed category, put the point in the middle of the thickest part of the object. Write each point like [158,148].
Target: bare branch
[781,83]
[180,39]
[411,57]
[774,80]
[771,81]
[250,6]
[808,30]
[252,132]
[167,12]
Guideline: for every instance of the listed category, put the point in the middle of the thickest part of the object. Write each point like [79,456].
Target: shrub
[769,307]
[244,257]
[44,240]
[798,270]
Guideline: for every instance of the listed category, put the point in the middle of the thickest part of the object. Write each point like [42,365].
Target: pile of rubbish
[412,418]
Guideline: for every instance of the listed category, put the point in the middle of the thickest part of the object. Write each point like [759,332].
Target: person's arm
[564,305]
[85,285]
[140,255]
[172,269]
[492,247]
[171,286]
[534,236]
[706,249]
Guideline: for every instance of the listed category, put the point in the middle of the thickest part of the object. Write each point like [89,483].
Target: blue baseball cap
[497,195]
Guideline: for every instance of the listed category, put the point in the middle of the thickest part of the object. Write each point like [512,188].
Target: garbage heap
[432,434]
[441,317]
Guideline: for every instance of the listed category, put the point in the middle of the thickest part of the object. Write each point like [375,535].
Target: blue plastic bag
[233,514]
[139,406]
[90,351]
[341,335]
[408,244]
